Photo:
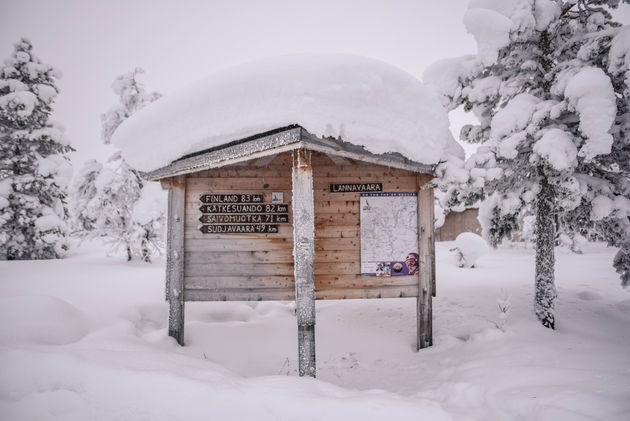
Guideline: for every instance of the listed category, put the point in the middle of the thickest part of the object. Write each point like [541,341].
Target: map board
[389,234]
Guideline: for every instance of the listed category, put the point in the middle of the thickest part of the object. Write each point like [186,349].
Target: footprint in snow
[342,364]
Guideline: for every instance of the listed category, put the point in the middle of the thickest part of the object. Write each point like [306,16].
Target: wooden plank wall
[457,222]
[252,267]
[247,267]
[338,231]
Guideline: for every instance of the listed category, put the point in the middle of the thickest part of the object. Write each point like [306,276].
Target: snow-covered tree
[34,166]
[110,200]
[132,96]
[84,195]
[550,88]
[119,188]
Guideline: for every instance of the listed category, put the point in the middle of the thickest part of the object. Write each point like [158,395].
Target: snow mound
[364,101]
[514,116]
[557,148]
[490,28]
[591,93]
[446,75]
[40,319]
[619,54]
[494,23]
[469,247]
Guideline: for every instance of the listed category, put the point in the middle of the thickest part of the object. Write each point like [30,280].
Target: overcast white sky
[179,42]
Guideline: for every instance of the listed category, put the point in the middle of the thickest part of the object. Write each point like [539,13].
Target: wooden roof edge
[272,142]
[275,142]
[341,148]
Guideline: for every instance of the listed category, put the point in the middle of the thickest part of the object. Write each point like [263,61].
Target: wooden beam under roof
[278,141]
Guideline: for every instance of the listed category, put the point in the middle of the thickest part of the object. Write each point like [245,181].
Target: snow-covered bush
[114,204]
[149,220]
[550,88]
[469,247]
[34,166]
[84,198]
[111,201]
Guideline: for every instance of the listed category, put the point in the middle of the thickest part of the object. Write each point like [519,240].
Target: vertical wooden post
[175,258]
[433,283]
[426,244]
[166,185]
[303,258]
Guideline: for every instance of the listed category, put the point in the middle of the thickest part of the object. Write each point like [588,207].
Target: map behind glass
[389,232]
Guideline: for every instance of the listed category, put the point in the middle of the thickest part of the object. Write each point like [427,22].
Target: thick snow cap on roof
[364,101]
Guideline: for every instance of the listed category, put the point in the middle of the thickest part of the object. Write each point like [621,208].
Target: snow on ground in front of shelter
[361,100]
[85,338]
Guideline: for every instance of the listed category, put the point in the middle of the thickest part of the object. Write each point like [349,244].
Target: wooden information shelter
[278,216]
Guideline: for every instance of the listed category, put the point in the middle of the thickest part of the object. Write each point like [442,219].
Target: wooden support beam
[426,251]
[165,183]
[175,258]
[304,257]
[433,282]
[264,161]
[338,160]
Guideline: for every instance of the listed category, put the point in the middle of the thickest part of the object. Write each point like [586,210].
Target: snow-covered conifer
[85,199]
[111,199]
[34,167]
[132,96]
[119,188]
[550,88]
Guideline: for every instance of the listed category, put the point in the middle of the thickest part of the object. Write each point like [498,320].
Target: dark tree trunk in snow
[545,234]
[146,252]
[622,264]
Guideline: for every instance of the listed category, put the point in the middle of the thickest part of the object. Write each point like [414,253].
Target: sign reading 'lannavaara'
[356,187]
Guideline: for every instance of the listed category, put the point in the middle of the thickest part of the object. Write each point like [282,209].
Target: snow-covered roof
[363,101]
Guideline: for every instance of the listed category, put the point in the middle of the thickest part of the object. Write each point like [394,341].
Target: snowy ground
[85,338]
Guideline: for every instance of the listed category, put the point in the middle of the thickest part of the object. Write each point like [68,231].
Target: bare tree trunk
[621,263]
[146,252]
[129,255]
[545,235]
